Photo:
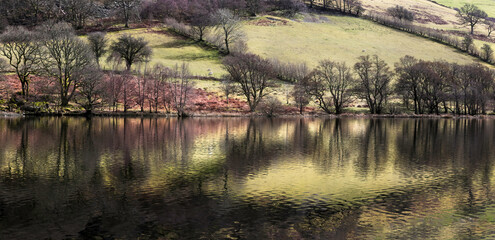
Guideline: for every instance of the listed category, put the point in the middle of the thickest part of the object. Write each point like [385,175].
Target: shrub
[400,13]
[178,27]
[270,106]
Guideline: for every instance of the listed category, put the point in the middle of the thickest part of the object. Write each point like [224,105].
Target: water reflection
[127,178]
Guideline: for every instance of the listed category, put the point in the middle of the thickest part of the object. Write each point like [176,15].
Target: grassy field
[169,50]
[486,5]
[342,38]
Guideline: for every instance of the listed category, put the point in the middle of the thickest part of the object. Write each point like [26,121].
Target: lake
[241,178]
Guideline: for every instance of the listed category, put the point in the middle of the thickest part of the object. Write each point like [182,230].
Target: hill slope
[486,5]
[341,38]
[438,14]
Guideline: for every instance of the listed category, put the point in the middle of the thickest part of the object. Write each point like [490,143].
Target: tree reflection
[152,178]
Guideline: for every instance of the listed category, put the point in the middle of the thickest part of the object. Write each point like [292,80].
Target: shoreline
[245,115]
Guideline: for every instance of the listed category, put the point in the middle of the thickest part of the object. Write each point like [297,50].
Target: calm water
[117,178]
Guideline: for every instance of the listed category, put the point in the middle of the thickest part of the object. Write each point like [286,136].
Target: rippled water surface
[130,178]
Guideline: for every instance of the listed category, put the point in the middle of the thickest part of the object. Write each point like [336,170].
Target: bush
[395,108]
[178,27]
[400,13]
[270,106]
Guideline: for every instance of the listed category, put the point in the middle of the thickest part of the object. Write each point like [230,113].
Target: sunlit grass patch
[170,50]
[343,38]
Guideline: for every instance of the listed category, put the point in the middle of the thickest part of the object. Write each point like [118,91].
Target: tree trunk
[64,101]
[227,45]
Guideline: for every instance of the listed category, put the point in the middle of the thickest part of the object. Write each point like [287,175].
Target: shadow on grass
[193,57]
[177,44]
[191,42]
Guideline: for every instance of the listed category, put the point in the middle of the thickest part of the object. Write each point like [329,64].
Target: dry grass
[430,14]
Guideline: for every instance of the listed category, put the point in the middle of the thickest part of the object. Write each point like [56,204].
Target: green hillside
[342,38]
[486,5]
[169,50]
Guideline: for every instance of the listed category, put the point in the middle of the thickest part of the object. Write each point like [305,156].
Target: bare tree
[300,96]
[229,26]
[142,89]
[128,91]
[228,88]
[252,73]
[291,7]
[373,82]
[98,43]
[408,83]
[181,87]
[434,76]
[477,87]
[164,77]
[255,6]
[65,57]
[127,8]
[157,85]
[77,11]
[199,15]
[3,68]
[131,50]
[400,13]
[334,79]
[490,27]
[113,89]
[22,51]
[91,89]
[471,15]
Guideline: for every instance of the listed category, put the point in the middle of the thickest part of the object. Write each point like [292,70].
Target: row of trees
[188,10]
[331,85]
[221,28]
[156,88]
[80,12]
[76,12]
[334,85]
[424,87]
[353,7]
[435,86]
